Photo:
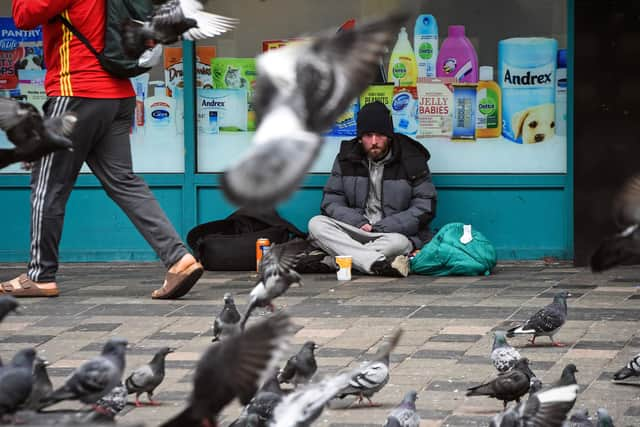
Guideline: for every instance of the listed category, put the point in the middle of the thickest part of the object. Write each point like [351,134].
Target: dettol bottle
[403,70]
[425,45]
[489,100]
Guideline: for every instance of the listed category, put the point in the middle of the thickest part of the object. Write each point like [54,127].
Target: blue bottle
[425,45]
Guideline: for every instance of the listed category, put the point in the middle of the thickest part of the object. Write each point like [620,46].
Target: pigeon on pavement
[42,386]
[503,355]
[631,369]
[16,382]
[95,377]
[301,366]
[507,386]
[300,91]
[579,418]
[228,321]
[546,321]
[373,376]
[113,402]
[146,378]
[8,304]
[32,135]
[171,21]
[604,419]
[568,376]
[544,409]
[259,411]
[405,415]
[535,385]
[233,368]
[625,243]
[276,275]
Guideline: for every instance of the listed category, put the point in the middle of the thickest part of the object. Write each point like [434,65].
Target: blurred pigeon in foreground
[300,91]
[113,402]
[579,418]
[16,381]
[626,242]
[95,377]
[373,376]
[42,386]
[546,322]
[544,409]
[507,386]
[8,304]
[503,355]
[146,378]
[631,369]
[568,376]
[259,411]
[303,406]
[604,419]
[171,21]
[32,135]
[405,415]
[276,275]
[228,321]
[301,366]
[233,367]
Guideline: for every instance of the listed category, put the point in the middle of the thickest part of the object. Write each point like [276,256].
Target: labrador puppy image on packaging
[535,124]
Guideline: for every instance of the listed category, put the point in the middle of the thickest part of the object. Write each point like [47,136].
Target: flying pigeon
[579,418]
[405,415]
[228,321]
[507,386]
[32,135]
[568,376]
[16,381]
[625,243]
[304,405]
[631,369]
[95,377]
[259,411]
[113,402]
[276,275]
[300,91]
[373,376]
[233,368]
[42,386]
[301,366]
[546,321]
[147,377]
[503,355]
[604,419]
[544,409]
[171,21]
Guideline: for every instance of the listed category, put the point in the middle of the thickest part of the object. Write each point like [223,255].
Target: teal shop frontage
[520,196]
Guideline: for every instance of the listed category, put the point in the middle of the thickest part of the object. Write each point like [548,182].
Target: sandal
[178,284]
[22,286]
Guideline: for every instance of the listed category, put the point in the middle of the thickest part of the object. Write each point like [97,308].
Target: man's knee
[400,243]
[317,224]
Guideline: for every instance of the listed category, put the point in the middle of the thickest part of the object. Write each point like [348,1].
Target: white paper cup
[344,262]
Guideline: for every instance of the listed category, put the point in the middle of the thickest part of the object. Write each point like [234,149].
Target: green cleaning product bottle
[403,69]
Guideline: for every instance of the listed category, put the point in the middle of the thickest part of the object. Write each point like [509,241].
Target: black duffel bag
[230,243]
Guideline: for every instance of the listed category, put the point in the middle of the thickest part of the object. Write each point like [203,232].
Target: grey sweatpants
[100,138]
[365,248]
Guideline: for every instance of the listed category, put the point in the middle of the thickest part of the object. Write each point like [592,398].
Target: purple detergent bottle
[457,57]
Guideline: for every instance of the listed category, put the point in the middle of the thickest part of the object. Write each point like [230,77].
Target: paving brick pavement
[447,326]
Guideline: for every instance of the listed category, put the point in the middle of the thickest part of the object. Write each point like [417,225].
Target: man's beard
[378,154]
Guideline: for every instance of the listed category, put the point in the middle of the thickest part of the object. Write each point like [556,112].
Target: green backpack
[446,255]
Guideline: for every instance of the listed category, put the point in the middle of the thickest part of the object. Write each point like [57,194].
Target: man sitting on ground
[379,200]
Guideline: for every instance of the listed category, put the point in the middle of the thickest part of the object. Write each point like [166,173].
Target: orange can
[262,246]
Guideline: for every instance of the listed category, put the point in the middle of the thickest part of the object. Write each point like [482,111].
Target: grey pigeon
[373,376]
[405,415]
[604,419]
[146,378]
[171,21]
[301,366]
[579,418]
[304,405]
[228,321]
[16,382]
[113,402]
[276,275]
[259,411]
[615,249]
[631,369]
[507,386]
[95,377]
[568,376]
[42,386]
[535,385]
[32,135]
[546,321]
[300,91]
[8,304]
[503,355]
[544,409]
[233,368]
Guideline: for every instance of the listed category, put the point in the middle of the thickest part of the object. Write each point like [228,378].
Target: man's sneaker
[314,262]
[399,267]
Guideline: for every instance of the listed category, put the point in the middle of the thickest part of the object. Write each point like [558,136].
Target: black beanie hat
[375,117]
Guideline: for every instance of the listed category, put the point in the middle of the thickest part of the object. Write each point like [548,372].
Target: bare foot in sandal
[22,286]
[180,278]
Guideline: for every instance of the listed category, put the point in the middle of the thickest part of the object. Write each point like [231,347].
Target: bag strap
[80,36]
